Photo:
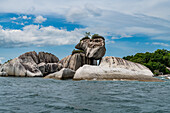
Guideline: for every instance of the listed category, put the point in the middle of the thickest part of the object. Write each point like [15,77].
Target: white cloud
[123,18]
[40,19]
[1,58]
[162,37]
[17,23]
[161,44]
[110,42]
[38,36]
[24,17]
[115,38]
[14,18]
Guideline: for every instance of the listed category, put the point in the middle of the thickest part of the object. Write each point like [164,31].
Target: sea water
[38,95]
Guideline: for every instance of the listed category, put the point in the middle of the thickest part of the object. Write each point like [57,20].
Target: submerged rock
[113,68]
[64,73]
[75,61]
[27,65]
[93,48]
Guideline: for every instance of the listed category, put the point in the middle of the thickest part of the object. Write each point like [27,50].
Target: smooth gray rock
[4,74]
[47,58]
[49,67]
[64,73]
[113,68]
[21,68]
[31,54]
[75,61]
[28,65]
[93,48]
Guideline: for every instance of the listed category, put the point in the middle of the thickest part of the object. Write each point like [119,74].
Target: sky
[56,26]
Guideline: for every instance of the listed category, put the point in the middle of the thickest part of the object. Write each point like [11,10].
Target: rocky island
[85,63]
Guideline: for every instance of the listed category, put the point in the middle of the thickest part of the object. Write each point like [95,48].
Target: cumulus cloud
[38,36]
[13,18]
[115,18]
[17,23]
[161,44]
[40,19]
[24,17]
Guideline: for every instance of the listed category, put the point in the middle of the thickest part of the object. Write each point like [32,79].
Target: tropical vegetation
[158,62]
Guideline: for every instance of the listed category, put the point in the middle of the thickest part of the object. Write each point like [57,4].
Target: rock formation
[28,64]
[75,61]
[64,73]
[47,58]
[4,74]
[112,68]
[47,68]
[82,61]
[93,48]
[90,50]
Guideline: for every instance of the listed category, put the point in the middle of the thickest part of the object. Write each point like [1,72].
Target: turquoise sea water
[38,95]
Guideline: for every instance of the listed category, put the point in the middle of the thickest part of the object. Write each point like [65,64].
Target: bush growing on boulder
[8,61]
[97,36]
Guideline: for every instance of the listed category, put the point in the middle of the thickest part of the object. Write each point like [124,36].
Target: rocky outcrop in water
[93,48]
[28,65]
[113,68]
[64,73]
[75,61]
[80,65]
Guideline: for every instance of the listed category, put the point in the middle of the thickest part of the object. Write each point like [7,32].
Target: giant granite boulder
[47,58]
[94,48]
[47,68]
[64,73]
[113,68]
[28,65]
[4,74]
[75,61]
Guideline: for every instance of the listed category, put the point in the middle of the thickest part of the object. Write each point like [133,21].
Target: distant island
[158,62]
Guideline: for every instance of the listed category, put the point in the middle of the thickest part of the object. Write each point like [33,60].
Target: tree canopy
[157,61]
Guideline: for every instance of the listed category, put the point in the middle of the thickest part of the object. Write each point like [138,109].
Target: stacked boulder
[89,51]
[93,48]
[75,61]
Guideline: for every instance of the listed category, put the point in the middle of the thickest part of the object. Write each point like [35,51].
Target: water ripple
[37,95]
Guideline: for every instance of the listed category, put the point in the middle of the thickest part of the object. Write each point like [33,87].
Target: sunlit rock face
[27,64]
[64,73]
[75,61]
[93,48]
[119,63]
[113,68]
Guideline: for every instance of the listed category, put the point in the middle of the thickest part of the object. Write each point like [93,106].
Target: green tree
[157,61]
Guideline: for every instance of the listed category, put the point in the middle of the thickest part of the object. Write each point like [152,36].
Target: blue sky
[129,26]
